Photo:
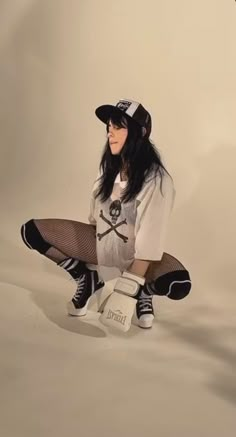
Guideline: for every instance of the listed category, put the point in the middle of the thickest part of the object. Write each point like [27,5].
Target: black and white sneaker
[88,283]
[145,312]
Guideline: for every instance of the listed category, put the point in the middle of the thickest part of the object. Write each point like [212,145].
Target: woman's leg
[167,277]
[69,238]
[72,245]
[60,239]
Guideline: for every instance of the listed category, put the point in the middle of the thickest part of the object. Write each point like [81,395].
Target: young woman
[131,201]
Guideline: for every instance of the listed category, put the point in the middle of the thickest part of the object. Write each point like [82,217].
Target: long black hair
[139,155]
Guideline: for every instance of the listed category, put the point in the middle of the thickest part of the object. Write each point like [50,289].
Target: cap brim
[104,112]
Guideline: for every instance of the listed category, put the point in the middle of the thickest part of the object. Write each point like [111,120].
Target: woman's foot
[145,312]
[88,283]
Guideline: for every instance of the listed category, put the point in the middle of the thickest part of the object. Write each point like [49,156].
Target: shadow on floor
[50,289]
[210,331]
[207,329]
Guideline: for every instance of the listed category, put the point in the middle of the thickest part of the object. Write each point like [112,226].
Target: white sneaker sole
[77,312]
[146,323]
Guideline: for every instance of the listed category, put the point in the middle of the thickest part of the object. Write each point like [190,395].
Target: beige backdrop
[60,59]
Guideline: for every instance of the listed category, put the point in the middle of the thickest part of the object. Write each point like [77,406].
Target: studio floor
[63,376]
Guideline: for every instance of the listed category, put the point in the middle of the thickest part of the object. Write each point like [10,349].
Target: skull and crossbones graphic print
[115,212]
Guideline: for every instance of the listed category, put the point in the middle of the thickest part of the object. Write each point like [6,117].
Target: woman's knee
[32,237]
[180,285]
[175,285]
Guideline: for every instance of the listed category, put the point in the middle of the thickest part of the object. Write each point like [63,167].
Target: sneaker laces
[145,304]
[80,287]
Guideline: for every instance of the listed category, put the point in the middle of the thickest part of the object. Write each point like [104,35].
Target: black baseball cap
[132,109]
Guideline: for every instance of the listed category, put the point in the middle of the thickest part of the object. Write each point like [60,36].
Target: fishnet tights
[167,264]
[69,238]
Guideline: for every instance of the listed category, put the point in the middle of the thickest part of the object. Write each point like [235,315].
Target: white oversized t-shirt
[132,230]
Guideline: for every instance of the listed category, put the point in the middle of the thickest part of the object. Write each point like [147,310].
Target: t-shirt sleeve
[152,219]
